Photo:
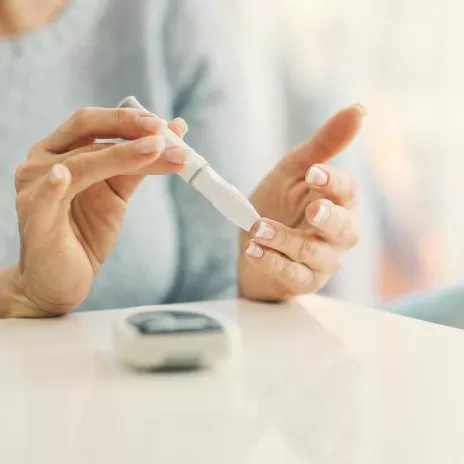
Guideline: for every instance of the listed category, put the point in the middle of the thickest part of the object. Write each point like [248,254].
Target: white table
[319,382]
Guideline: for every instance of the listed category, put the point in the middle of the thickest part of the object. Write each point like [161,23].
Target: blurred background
[402,60]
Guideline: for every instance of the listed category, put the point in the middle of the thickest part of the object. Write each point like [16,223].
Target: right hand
[72,194]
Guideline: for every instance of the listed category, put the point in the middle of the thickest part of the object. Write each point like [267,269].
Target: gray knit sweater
[171,54]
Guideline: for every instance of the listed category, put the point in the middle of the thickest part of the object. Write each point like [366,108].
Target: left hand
[312,206]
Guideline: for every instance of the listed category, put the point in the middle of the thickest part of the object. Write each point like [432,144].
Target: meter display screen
[172,322]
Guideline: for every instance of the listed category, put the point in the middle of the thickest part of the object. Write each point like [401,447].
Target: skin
[312,225]
[72,195]
[20,16]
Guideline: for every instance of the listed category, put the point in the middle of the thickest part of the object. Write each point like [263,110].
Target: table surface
[318,381]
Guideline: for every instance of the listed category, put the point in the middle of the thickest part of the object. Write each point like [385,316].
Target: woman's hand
[312,206]
[72,194]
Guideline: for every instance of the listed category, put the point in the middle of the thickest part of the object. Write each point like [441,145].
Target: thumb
[333,137]
[46,205]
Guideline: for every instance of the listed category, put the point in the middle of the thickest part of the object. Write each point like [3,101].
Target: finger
[333,183]
[334,223]
[120,159]
[42,205]
[165,164]
[333,137]
[297,245]
[124,165]
[171,156]
[295,277]
[125,185]
[32,170]
[90,148]
[170,162]
[88,124]
[178,126]
[122,186]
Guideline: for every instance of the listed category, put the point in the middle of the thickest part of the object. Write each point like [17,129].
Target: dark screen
[169,322]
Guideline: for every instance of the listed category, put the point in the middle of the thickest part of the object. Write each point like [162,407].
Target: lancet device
[226,198]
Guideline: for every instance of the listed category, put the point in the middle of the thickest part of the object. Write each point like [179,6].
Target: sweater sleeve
[207,87]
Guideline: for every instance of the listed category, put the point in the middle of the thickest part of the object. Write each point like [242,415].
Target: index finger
[88,124]
[333,137]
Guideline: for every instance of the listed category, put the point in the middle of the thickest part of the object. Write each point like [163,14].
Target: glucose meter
[174,339]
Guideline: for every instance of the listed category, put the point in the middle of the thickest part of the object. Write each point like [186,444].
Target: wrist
[13,300]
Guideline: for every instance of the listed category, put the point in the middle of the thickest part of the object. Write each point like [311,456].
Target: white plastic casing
[194,162]
[225,197]
[154,351]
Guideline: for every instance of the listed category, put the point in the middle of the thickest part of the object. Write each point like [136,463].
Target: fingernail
[265,231]
[316,176]
[176,155]
[322,214]
[254,250]
[151,145]
[184,126]
[151,124]
[361,109]
[57,173]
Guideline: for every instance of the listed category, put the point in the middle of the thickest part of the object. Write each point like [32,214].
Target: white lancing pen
[226,198]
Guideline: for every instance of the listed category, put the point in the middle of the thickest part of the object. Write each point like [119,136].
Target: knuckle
[338,183]
[344,230]
[299,282]
[76,167]
[294,283]
[348,233]
[343,186]
[343,234]
[81,116]
[24,173]
[121,114]
[93,147]
[308,251]
[20,171]
[284,237]
[289,273]
[347,190]
[275,262]
[307,281]
[23,201]
[120,154]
